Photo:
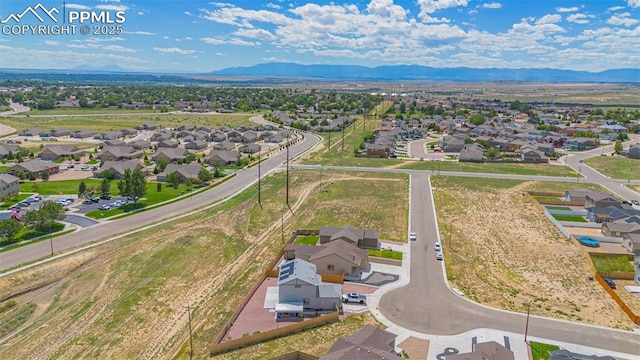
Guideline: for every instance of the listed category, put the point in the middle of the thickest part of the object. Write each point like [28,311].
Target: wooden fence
[542,193]
[635,318]
[561,202]
[618,275]
[296,355]
[226,346]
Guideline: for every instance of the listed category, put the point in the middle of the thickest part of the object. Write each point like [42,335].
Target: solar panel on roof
[286,270]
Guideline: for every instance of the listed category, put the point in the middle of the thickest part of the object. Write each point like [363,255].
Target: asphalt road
[105,230]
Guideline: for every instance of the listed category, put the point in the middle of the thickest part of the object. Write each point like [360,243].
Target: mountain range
[425,73]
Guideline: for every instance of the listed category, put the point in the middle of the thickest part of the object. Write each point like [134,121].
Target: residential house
[359,237]
[113,142]
[118,168]
[517,145]
[579,195]
[450,144]
[620,228]
[169,154]
[139,144]
[60,132]
[184,171]
[530,155]
[129,132]
[54,152]
[9,185]
[183,133]
[249,148]
[35,167]
[631,242]
[224,145]
[83,134]
[108,135]
[501,143]
[489,350]
[634,152]
[598,199]
[32,131]
[147,126]
[376,150]
[300,288]
[249,137]
[168,144]
[196,145]
[162,136]
[218,136]
[5,149]
[370,342]
[472,153]
[118,153]
[222,157]
[546,148]
[334,258]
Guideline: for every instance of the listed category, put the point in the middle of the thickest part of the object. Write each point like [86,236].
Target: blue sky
[201,36]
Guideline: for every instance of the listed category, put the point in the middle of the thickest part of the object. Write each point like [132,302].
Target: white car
[412,236]
[437,246]
[439,256]
[354,298]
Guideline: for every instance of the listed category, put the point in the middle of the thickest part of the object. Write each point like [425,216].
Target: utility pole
[282,228]
[51,236]
[526,329]
[288,170]
[259,192]
[190,333]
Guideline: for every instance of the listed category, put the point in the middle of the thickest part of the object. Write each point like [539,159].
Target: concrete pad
[271,297]
[415,348]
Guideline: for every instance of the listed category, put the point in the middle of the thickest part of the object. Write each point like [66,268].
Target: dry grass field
[501,251]
[127,299]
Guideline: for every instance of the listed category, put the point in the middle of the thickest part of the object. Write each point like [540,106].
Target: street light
[579,171]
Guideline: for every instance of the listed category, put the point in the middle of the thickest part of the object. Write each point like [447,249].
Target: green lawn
[4,168]
[558,208]
[546,198]
[28,233]
[307,240]
[611,263]
[64,187]
[616,167]
[385,253]
[569,218]
[12,200]
[541,351]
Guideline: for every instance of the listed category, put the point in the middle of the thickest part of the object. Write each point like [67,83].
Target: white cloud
[569,9]
[431,6]
[255,34]
[174,50]
[118,48]
[188,13]
[622,19]
[112,7]
[220,54]
[633,3]
[139,33]
[580,18]
[492,5]
[615,8]
[549,19]
[274,6]
[51,43]
[77,7]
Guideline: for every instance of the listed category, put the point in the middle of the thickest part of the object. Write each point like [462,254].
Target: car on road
[84,167]
[439,256]
[437,246]
[70,166]
[412,236]
[610,282]
[354,297]
[635,202]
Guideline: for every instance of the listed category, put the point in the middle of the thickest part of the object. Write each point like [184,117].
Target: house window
[305,301]
[331,267]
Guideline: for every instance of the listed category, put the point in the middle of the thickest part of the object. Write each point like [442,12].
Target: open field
[509,255]
[616,167]
[127,299]
[103,122]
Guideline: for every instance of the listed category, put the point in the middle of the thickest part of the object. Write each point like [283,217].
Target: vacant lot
[616,167]
[501,251]
[127,299]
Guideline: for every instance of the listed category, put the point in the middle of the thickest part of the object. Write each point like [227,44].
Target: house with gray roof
[224,145]
[169,154]
[334,258]
[83,134]
[450,144]
[118,168]
[563,354]
[634,152]
[184,171]
[118,153]
[9,185]
[490,350]
[222,157]
[249,148]
[35,167]
[370,342]
[300,289]
[5,149]
[196,145]
[108,135]
[168,144]
[362,238]
[620,228]
[530,155]
[472,153]
[54,152]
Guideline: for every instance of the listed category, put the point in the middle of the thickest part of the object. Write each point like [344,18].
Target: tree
[477,119]
[492,153]
[173,179]
[43,218]
[45,175]
[82,188]
[105,186]
[162,164]
[617,148]
[204,175]
[9,228]
[133,184]
[108,174]
[159,187]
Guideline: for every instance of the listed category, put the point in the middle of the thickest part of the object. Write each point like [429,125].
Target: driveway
[80,220]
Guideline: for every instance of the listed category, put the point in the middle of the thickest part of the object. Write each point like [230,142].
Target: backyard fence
[635,318]
[296,355]
[557,224]
[542,193]
[226,346]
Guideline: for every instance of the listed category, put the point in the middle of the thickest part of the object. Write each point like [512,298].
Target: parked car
[70,166]
[84,167]
[105,197]
[87,202]
[104,207]
[610,282]
[95,199]
[353,297]
[439,256]
[437,246]
[413,236]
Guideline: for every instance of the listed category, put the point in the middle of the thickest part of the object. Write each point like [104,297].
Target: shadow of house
[334,258]
[361,238]
[370,342]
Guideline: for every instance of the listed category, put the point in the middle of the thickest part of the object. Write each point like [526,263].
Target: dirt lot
[504,253]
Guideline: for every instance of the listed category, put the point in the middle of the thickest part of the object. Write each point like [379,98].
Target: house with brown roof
[602,200]
[36,167]
[83,134]
[119,167]
[359,237]
[108,135]
[489,350]
[224,145]
[471,153]
[5,149]
[9,185]
[334,258]
[184,171]
[118,153]
[196,145]
[370,342]
[222,157]
[169,154]
[250,148]
[53,152]
[139,144]
[530,155]
[168,144]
